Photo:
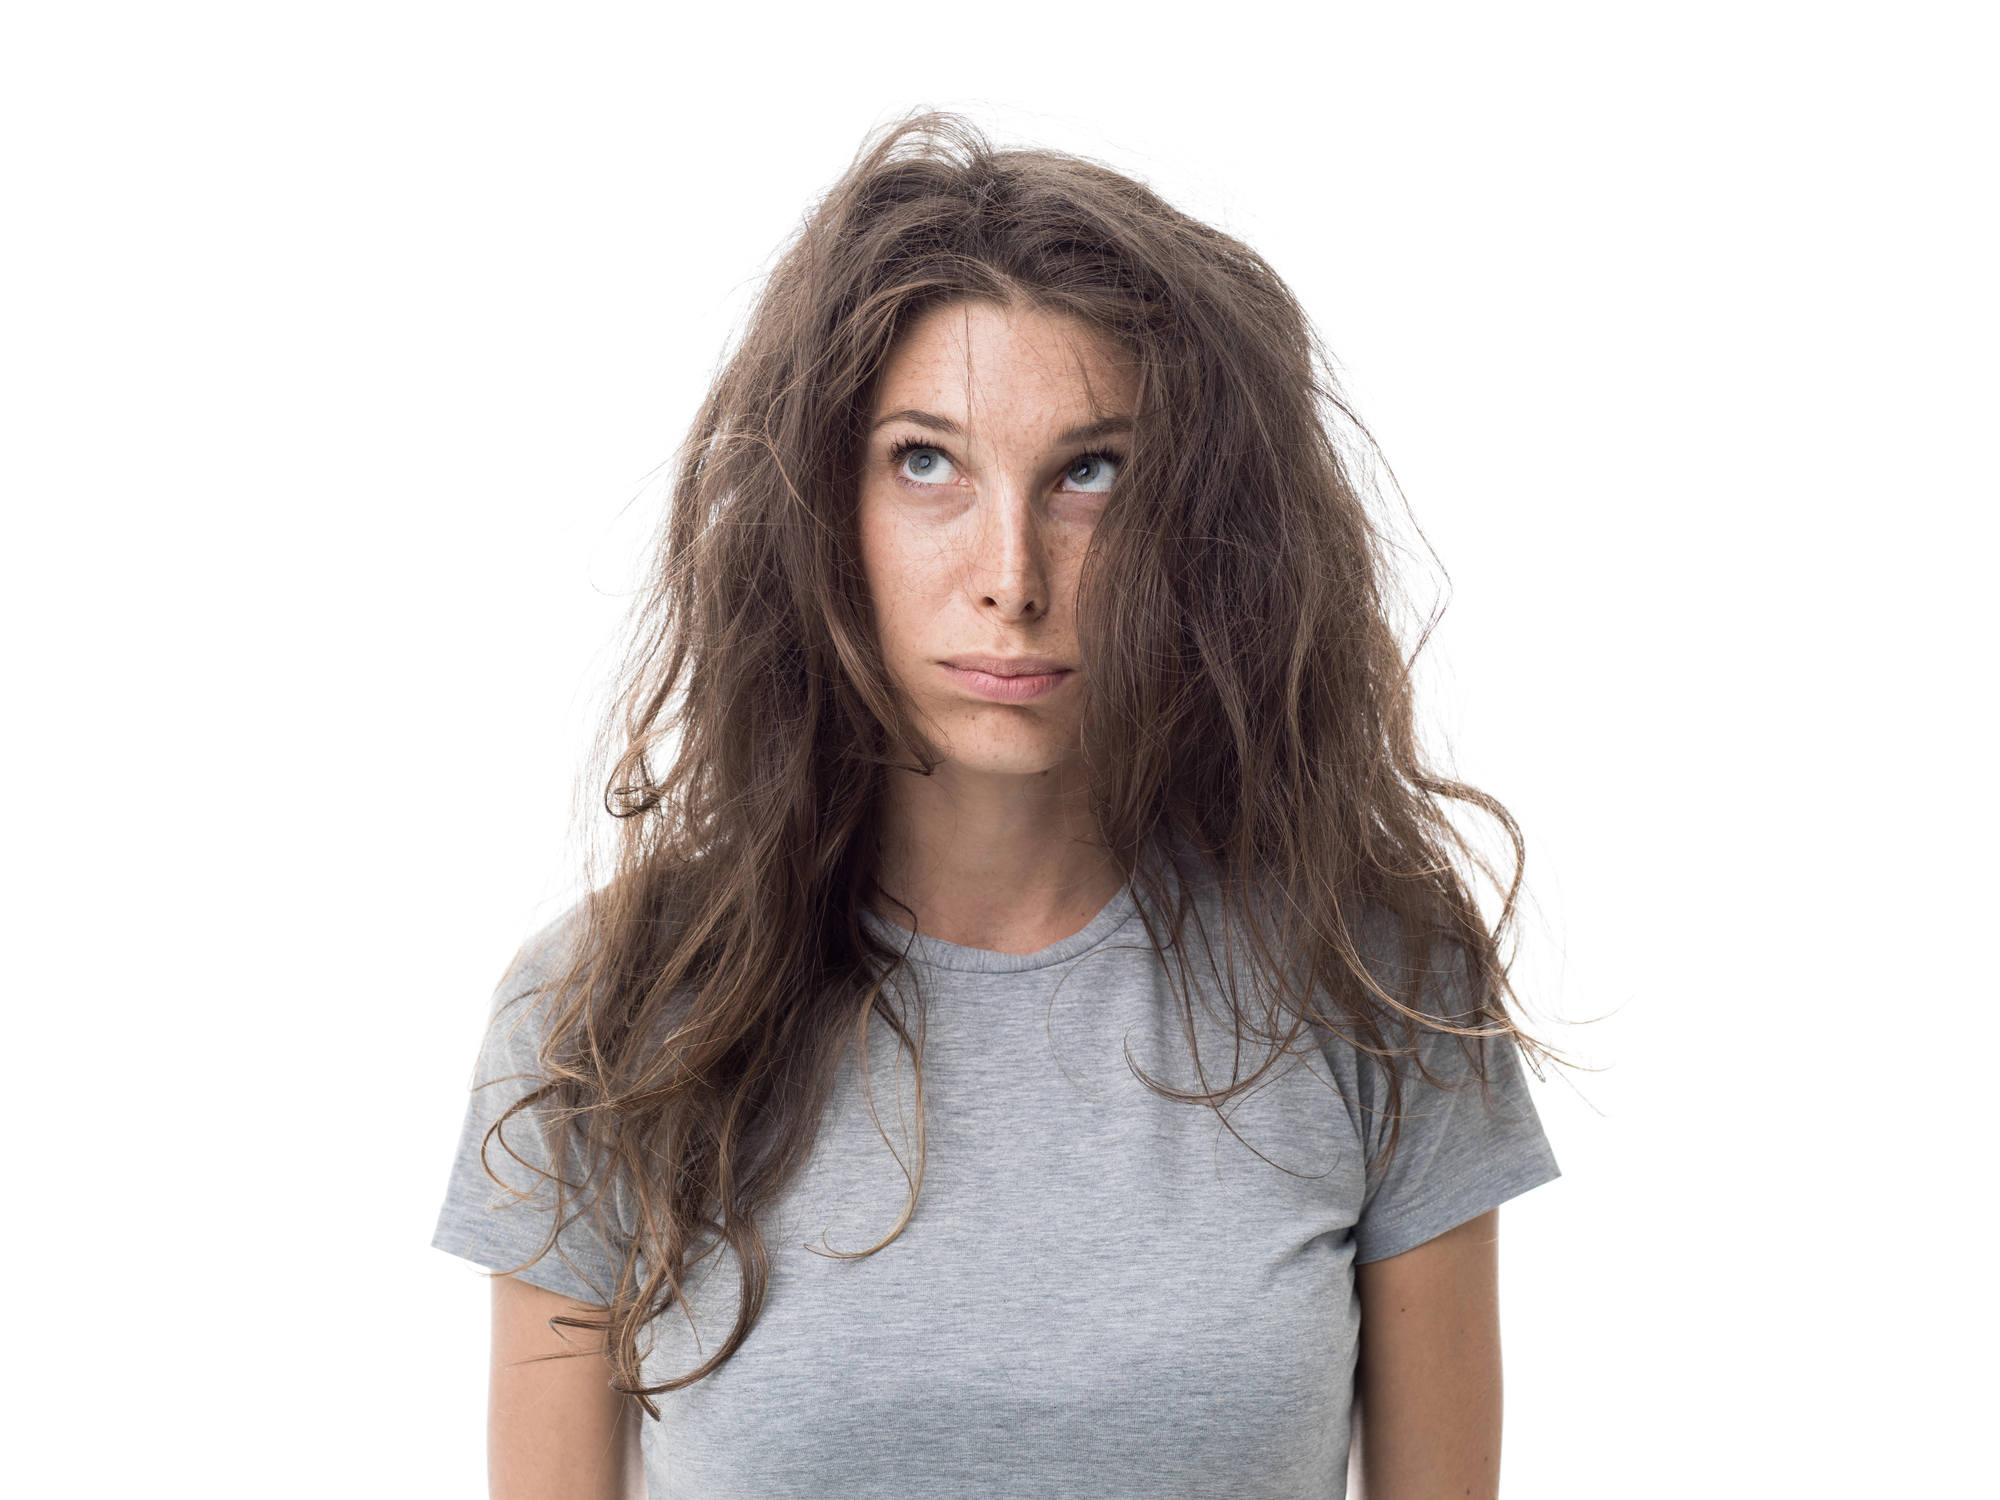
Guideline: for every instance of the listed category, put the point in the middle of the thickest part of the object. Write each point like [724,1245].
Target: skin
[555,1430]
[996,436]
[1427,1388]
[972,546]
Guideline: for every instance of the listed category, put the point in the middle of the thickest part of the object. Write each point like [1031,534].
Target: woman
[1039,1037]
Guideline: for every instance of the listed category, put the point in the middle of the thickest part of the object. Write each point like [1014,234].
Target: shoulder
[581,988]
[1422,965]
[523,1001]
[1190,903]
[547,956]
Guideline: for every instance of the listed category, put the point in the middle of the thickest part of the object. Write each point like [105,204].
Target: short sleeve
[1463,1148]
[504,1225]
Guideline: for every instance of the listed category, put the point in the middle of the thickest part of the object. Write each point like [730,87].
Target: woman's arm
[555,1430]
[1428,1385]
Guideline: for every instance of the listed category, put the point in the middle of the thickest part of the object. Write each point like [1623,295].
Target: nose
[1011,577]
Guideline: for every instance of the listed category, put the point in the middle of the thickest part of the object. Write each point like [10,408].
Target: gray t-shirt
[1102,1292]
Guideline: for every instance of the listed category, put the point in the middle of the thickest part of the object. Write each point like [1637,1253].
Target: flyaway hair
[1249,734]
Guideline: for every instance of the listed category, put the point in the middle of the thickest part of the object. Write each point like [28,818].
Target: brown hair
[1249,732]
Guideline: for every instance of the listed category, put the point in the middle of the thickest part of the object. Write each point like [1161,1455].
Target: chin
[1007,765]
[1004,750]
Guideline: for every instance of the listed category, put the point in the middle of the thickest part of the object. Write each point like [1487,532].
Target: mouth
[1007,679]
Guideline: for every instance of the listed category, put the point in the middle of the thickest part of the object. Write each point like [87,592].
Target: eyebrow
[1090,432]
[928,419]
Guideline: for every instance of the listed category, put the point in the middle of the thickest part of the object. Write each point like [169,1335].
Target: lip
[1007,679]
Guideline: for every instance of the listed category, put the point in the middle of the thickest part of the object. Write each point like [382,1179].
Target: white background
[339,343]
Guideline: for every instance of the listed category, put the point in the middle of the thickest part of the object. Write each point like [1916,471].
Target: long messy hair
[1249,732]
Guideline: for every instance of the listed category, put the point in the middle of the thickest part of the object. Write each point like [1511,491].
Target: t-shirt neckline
[942,955]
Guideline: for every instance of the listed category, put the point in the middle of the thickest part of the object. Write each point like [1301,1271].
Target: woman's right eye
[927,466]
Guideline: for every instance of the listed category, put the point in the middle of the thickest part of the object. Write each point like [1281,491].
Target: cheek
[898,585]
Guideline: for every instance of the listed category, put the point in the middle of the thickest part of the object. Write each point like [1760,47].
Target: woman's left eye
[1092,474]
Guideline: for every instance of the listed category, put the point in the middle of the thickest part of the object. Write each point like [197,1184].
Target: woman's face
[997,434]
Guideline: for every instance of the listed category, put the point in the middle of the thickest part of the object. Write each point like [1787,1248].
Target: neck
[1002,862]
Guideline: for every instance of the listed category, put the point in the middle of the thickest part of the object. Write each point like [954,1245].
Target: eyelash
[903,447]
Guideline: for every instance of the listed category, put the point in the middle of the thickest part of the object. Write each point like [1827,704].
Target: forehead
[974,360]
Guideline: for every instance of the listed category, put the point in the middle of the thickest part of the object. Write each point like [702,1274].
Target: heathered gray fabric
[1102,1292]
